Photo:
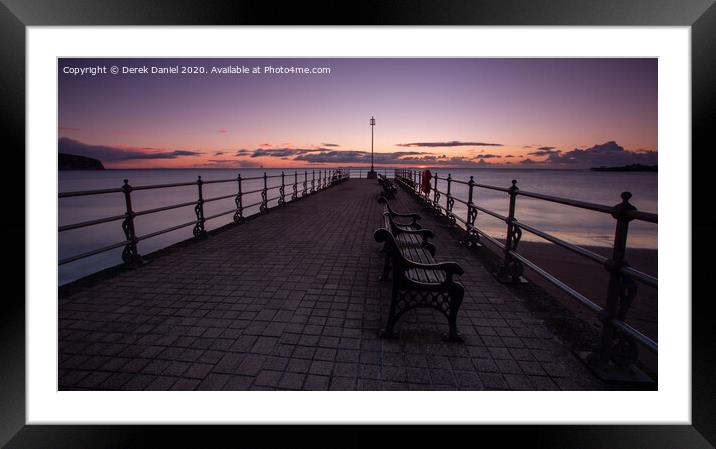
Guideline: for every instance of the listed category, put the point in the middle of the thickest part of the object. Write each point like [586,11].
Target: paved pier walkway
[291,300]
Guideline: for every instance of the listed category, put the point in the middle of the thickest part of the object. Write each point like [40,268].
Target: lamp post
[371,174]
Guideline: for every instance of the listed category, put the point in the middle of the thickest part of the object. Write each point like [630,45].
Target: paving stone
[213,381]
[316,383]
[369,371]
[198,370]
[342,383]
[186,384]
[268,378]
[162,383]
[298,365]
[292,381]
[138,382]
[238,383]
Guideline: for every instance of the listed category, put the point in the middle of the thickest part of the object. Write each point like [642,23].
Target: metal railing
[618,338]
[362,173]
[317,179]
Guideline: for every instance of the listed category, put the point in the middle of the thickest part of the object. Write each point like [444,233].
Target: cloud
[218,153]
[606,154]
[330,144]
[248,164]
[527,161]
[223,131]
[452,143]
[243,152]
[284,152]
[544,151]
[230,163]
[393,158]
[355,156]
[107,153]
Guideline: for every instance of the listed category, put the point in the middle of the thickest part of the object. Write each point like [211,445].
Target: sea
[582,227]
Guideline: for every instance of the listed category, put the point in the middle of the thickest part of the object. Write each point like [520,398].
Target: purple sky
[569,113]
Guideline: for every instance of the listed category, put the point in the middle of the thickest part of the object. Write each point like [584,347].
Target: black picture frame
[16,15]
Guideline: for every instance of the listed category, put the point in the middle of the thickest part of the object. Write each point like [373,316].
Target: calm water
[574,225]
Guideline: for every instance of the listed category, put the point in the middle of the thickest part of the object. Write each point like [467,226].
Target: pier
[291,300]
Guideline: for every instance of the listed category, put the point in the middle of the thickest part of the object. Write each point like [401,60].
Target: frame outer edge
[12,313]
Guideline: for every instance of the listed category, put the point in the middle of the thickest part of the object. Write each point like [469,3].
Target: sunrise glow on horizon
[552,113]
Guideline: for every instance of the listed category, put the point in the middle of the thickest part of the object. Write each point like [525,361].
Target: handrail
[84,224]
[88,192]
[568,202]
[621,290]
[165,208]
[321,179]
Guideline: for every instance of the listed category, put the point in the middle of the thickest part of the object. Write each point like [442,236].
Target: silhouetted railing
[363,172]
[618,338]
[312,181]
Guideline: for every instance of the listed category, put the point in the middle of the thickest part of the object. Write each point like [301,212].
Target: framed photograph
[448,215]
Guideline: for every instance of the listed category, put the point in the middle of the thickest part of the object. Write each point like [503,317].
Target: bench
[389,189]
[418,279]
[413,217]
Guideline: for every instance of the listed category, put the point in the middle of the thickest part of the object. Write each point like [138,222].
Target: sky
[276,113]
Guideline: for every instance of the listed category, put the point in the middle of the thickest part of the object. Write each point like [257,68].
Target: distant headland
[74,162]
[632,167]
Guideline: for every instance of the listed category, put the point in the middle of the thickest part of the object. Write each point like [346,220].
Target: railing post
[294,195]
[436,196]
[264,197]
[130,255]
[617,347]
[305,183]
[282,191]
[199,231]
[239,214]
[419,176]
[320,179]
[450,201]
[313,181]
[472,237]
[512,269]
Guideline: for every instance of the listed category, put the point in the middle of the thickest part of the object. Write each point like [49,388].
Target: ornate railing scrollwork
[294,195]
[263,208]
[199,230]
[130,254]
[282,192]
[472,237]
[239,214]
[512,269]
